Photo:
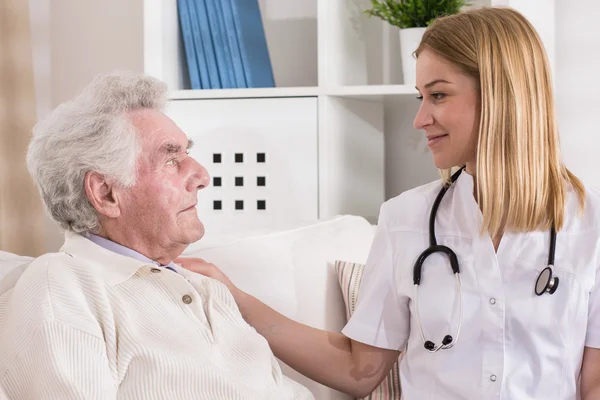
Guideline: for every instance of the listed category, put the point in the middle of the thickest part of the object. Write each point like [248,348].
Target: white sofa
[290,270]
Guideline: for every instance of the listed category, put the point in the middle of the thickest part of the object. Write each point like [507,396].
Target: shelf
[245,93]
[290,30]
[371,92]
[366,92]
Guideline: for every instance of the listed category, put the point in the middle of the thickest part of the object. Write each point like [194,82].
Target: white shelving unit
[330,51]
[327,50]
[324,44]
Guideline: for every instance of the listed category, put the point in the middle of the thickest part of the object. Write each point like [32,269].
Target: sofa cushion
[349,277]
[293,272]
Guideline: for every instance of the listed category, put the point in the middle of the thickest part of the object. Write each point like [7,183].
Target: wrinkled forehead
[156,130]
[159,136]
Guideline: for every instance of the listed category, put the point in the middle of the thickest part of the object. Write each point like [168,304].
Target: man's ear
[101,194]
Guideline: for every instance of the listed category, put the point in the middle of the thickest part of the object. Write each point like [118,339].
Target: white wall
[73,41]
[578,85]
[291,31]
[39,11]
[93,36]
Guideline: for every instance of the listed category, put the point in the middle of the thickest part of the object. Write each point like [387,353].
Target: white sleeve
[381,317]
[3,395]
[592,336]
[60,362]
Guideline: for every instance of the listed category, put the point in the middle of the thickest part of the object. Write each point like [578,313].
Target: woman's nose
[423,118]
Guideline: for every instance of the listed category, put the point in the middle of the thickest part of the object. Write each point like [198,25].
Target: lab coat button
[492,301]
[493,378]
[155,270]
[187,299]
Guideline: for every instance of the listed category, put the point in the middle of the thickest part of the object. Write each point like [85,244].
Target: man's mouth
[192,207]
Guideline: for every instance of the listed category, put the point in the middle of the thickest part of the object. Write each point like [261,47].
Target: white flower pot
[410,38]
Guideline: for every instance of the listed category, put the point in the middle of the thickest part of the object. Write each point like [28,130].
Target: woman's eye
[435,96]
[172,162]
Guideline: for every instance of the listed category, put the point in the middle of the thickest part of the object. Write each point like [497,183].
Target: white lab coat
[513,344]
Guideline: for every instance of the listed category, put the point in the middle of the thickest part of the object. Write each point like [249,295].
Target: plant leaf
[414,13]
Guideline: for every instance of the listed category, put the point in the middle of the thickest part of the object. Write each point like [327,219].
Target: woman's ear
[101,194]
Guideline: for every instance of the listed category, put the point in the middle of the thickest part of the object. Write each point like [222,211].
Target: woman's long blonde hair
[521,179]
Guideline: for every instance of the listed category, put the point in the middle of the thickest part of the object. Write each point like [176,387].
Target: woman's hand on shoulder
[210,270]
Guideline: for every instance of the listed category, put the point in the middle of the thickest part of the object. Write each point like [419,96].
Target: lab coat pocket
[550,316]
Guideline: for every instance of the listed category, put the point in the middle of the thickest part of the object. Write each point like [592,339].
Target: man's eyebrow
[174,148]
[432,83]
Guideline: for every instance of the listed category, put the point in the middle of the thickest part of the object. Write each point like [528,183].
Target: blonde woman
[499,297]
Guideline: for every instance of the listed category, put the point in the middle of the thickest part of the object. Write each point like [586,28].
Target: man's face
[160,208]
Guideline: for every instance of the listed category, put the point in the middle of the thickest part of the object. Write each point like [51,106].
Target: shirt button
[155,270]
[492,301]
[493,378]
[187,299]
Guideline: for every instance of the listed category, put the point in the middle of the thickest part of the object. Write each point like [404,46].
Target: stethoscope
[545,282]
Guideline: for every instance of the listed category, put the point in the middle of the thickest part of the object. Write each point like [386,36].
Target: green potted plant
[412,17]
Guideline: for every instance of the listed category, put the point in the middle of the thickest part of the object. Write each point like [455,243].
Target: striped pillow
[349,276]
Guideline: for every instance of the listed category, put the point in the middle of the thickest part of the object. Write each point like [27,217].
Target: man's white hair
[92,132]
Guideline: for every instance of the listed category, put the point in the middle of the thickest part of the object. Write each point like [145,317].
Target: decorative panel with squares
[263,160]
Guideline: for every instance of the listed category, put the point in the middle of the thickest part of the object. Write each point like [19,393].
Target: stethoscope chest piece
[546,282]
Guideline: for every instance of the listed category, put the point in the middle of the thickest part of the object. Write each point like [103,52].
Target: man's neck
[155,253]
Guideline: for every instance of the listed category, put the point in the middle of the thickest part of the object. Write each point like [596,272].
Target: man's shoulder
[53,272]
[51,295]
[55,288]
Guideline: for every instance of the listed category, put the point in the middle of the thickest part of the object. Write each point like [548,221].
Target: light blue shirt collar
[125,251]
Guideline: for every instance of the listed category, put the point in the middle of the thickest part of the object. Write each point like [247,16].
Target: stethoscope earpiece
[446,344]
[546,282]
[447,340]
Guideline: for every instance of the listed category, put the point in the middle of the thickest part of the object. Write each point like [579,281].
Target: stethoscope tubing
[550,286]
[460,315]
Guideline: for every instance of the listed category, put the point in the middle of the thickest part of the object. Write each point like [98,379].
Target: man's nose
[200,177]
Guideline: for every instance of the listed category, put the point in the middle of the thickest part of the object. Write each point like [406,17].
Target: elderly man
[110,315]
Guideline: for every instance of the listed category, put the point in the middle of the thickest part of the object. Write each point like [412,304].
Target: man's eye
[172,162]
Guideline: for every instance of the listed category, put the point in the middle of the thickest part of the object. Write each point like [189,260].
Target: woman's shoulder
[589,219]
[406,211]
[592,197]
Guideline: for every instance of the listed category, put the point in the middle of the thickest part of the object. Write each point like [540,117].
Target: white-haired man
[110,315]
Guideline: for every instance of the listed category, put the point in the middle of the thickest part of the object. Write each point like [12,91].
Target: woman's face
[449,111]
